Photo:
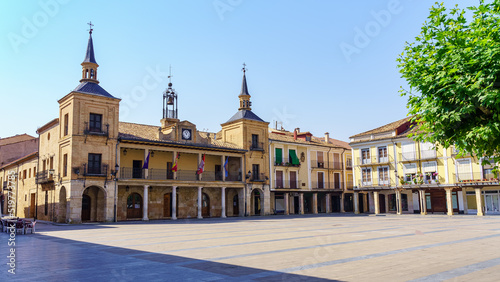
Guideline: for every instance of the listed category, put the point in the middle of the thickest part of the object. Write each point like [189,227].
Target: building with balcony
[308,174]
[394,173]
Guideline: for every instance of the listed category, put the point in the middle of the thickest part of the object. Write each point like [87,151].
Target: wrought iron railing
[43,177]
[287,184]
[476,177]
[99,171]
[257,146]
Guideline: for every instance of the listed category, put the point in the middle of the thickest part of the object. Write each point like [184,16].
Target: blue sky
[322,66]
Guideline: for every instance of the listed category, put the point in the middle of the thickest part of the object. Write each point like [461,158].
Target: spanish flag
[201,167]
[174,168]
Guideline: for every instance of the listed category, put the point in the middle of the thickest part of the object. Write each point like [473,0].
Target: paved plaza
[272,248]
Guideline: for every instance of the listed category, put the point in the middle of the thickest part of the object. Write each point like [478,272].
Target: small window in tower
[91,73]
[95,123]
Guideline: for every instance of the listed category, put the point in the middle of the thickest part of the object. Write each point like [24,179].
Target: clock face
[186,134]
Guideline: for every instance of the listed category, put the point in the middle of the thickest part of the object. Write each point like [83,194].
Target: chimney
[327,137]
[295,134]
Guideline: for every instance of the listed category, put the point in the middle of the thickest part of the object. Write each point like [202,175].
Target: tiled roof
[89,55]
[21,159]
[93,89]
[15,139]
[288,137]
[385,128]
[143,132]
[244,114]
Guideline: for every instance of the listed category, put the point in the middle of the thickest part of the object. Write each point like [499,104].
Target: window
[410,171]
[278,156]
[336,180]
[321,163]
[95,123]
[34,171]
[66,121]
[366,176]
[383,176]
[255,172]
[464,171]
[94,165]
[382,154]
[365,156]
[24,174]
[427,151]
[279,179]
[393,203]
[292,157]
[51,163]
[321,179]
[488,174]
[46,203]
[293,180]
[336,161]
[408,151]
[29,173]
[255,141]
[65,165]
[430,174]
[349,162]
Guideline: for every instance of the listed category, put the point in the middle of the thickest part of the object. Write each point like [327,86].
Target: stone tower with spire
[248,131]
[88,135]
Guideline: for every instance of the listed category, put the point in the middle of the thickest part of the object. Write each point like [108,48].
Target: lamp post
[114,173]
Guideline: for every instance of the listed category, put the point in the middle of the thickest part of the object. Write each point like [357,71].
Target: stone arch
[94,204]
[62,205]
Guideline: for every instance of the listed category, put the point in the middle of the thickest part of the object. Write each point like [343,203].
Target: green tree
[453,70]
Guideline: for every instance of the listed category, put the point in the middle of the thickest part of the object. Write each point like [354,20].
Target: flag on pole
[201,167]
[225,167]
[174,168]
[146,162]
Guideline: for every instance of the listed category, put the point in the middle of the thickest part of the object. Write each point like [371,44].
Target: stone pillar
[479,202]
[315,203]
[174,203]
[287,207]
[200,204]
[145,203]
[399,202]
[449,204]
[327,203]
[342,202]
[466,205]
[301,203]
[376,202]
[356,203]
[423,201]
[223,200]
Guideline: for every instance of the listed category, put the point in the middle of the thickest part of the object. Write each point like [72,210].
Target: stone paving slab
[272,248]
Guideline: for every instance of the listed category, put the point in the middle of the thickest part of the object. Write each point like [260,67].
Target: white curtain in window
[410,168]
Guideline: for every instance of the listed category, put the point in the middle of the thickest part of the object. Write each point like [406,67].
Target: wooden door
[136,169]
[236,206]
[279,179]
[167,207]
[134,206]
[32,206]
[438,200]
[205,206]
[85,208]
[381,203]
[293,180]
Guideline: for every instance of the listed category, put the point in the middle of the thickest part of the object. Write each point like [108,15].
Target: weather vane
[90,25]
[244,69]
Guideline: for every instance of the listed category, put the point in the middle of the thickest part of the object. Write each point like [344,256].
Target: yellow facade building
[309,174]
[394,173]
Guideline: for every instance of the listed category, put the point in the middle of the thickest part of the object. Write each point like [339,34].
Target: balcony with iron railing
[318,164]
[374,160]
[95,171]
[89,130]
[287,184]
[477,178]
[181,175]
[281,162]
[374,182]
[336,165]
[44,177]
[258,178]
[257,146]
[408,156]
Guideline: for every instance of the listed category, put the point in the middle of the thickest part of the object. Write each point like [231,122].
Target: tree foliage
[453,70]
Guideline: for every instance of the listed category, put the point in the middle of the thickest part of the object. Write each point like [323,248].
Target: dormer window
[95,123]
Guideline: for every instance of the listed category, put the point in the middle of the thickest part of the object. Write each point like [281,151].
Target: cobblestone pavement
[271,248]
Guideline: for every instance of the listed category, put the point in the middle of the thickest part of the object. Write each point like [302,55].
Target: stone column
[356,203]
[327,203]
[174,203]
[423,201]
[200,202]
[287,207]
[449,204]
[315,203]
[301,203]
[223,200]
[376,202]
[342,202]
[145,203]
[466,205]
[398,202]
[479,202]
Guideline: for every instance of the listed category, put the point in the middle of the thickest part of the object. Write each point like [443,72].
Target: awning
[294,159]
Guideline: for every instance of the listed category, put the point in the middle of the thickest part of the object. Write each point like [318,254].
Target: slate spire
[244,96]
[89,56]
